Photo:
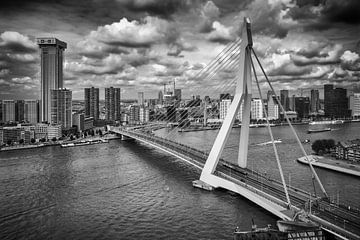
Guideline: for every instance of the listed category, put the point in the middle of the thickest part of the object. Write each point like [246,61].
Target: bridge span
[266,193]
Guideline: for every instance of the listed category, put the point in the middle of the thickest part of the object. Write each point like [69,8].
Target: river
[128,190]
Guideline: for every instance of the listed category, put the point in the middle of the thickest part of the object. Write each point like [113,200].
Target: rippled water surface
[128,190]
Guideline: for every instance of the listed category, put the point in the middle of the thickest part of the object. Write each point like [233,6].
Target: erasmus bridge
[277,197]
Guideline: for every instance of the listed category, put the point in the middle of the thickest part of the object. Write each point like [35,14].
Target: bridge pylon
[243,94]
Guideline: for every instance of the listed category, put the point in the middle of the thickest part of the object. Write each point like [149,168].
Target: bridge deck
[337,219]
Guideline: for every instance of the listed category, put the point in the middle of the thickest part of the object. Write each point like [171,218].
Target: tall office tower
[134,114]
[284,99]
[8,110]
[355,104]
[31,113]
[224,107]
[19,110]
[61,110]
[141,98]
[177,94]
[302,106]
[51,72]
[91,102]
[335,102]
[144,115]
[160,97]
[315,101]
[273,107]
[328,99]
[112,104]
[256,109]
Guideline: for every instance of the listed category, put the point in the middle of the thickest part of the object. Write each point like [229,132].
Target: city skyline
[139,46]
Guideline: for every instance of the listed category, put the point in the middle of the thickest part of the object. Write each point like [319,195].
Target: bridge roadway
[339,220]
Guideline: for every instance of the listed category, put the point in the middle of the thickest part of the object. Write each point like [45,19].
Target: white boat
[269,142]
[84,142]
[327,122]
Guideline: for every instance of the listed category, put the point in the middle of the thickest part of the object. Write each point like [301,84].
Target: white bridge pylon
[243,95]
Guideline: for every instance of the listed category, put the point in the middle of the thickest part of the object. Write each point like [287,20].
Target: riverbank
[57,143]
[342,166]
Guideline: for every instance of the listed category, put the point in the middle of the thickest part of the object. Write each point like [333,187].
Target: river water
[128,190]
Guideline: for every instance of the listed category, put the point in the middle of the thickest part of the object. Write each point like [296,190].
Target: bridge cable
[292,129]
[212,66]
[230,63]
[272,137]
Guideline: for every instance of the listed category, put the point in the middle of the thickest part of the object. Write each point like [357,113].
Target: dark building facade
[315,101]
[112,104]
[302,107]
[284,99]
[19,110]
[335,102]
[92,102]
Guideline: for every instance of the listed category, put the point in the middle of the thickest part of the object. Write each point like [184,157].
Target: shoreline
[47,144]
[341,166]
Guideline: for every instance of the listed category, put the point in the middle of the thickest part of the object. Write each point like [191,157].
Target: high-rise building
[134,116]
[144,115]
[177,94]
[51,72]
[256,109]
[302,107]
[335,102]
[273,108]
[141,98]
[160,98]
[224,107]
[78,120]
[8,110]
[112,104]
[355,105]
[19,110]
[31,113]
[315,101]
[284,99]
[92,102]
[61,110]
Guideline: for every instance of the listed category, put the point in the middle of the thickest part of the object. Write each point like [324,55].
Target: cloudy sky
[140,45]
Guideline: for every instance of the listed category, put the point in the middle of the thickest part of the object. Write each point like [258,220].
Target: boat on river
[318,130]
[327,122]
[84,142]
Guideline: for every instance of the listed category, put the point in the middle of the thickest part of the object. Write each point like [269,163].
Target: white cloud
[10,37]
[349,56]
[221,33]
[151,30]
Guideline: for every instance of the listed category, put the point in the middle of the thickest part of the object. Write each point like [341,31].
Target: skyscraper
[112,103]
[336,102]
[177,94]
[302,106]
[61,110]
[141,98]
[284,99]
[51,72]
[19,110]
[8,110]
[31,112]
[315,101]
[91,102]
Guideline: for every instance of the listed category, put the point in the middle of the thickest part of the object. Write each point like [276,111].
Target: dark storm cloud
[342,11]
[163,8]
